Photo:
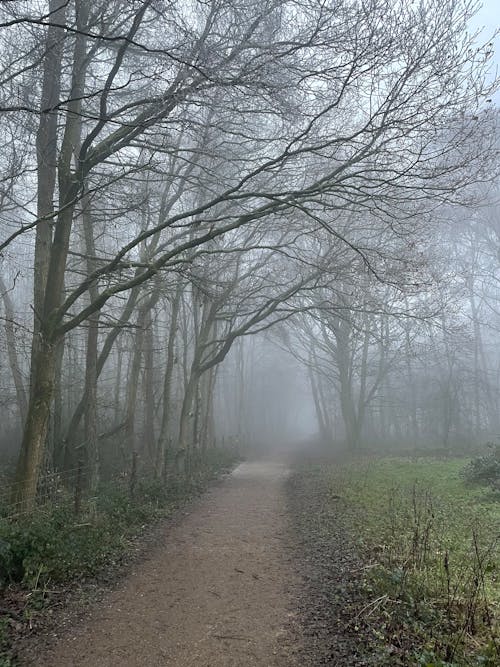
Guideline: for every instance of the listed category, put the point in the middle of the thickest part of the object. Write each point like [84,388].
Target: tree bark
[46,154]
[10,338]
[35,430]
[91,375]
[44,349]
[163,438]
[148,391]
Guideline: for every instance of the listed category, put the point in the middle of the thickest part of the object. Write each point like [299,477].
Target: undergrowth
[430,548]
[484,470]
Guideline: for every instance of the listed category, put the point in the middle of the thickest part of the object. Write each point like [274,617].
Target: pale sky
[488,18]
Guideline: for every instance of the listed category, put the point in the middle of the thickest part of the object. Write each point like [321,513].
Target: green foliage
[55,545]
[484,470]
[429,659]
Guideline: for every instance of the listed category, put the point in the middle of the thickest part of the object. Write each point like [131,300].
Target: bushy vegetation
[430,552]
[55,545]
[484,470]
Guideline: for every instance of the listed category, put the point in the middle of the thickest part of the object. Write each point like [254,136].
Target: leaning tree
[312,107]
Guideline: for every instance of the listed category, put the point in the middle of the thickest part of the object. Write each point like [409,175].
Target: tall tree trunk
[184,445]
[45,342]
[90,391]
[207,431]
[411,384]
[133,385]
[148,391]
[347,402]
[58,449]
[118,383]
[46,154]
[163,438]
[323,430]
[143,317]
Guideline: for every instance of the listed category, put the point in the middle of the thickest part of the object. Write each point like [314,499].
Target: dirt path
[219,592]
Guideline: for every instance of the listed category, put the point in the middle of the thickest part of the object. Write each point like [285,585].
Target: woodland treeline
[183,182]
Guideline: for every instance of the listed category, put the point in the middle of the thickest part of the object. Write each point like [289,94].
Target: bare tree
[374,111]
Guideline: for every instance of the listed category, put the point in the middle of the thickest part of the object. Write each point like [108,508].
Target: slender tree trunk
[58,449]
[148,391]
[133,385]
[317,404]
[186,425]
[207,438]
[241,390]
[10,338]
[411,385]
[91,417]
[143,317]
[163,438]
[118,383]
[347,403]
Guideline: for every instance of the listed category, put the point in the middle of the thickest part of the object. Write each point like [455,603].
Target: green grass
[430,544]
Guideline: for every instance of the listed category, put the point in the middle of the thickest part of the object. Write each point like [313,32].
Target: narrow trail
[218,592]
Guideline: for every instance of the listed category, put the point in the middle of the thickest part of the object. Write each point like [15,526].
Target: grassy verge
[429,551]
[42,553]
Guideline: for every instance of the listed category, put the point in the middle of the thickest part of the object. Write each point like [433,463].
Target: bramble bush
[484,470]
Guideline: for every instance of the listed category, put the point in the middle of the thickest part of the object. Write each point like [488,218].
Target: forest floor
[219,589]
[364,563]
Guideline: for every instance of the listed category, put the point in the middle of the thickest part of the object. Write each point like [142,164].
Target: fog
[247,225]
[265,398]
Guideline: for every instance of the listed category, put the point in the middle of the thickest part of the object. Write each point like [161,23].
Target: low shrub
[53,544]
[484,470]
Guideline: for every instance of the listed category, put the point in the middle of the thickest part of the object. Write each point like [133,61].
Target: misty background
[248,224]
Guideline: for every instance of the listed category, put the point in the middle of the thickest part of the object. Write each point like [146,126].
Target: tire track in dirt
[219,592]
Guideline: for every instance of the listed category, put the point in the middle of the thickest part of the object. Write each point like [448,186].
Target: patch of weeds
[54,545]
[429,659]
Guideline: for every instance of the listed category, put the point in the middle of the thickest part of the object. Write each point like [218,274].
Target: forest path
[219,591]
